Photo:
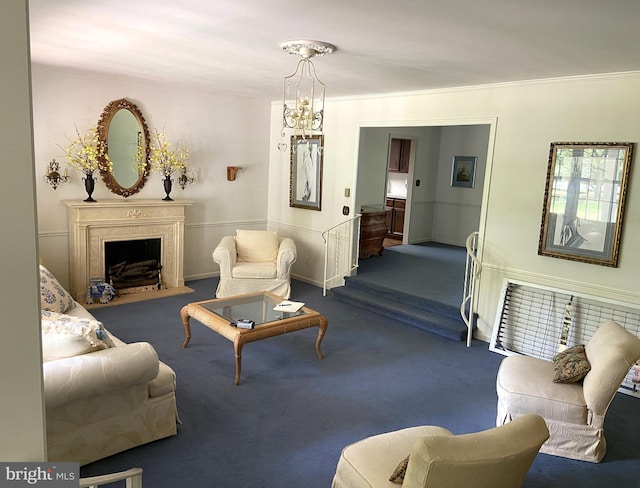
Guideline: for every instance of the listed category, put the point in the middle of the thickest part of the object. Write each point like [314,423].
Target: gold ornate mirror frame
[140,139]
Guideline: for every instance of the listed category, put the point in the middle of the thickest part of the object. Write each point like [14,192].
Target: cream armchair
[496,457]
[575,411]
[255,260]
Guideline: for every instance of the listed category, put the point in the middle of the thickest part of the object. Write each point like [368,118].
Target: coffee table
[220,315]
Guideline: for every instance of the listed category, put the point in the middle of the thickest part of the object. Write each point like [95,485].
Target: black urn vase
[89,186]
[168,183]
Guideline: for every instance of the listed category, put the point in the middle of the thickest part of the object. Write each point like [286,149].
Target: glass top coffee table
[222,314]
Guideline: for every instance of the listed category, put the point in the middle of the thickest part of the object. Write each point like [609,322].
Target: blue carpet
[431,271]
[287,422]
[420,285]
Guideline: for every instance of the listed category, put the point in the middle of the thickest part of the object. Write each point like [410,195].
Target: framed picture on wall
[305,189]
[463,172]
[584,201]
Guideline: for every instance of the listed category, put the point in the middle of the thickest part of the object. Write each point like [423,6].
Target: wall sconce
[232,171]
[53,176]
[186,178]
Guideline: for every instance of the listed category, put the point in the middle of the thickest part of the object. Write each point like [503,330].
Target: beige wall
[218,131]
[22,414]
[524,118]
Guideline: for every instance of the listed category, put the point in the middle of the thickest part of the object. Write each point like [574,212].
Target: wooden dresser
[373,230]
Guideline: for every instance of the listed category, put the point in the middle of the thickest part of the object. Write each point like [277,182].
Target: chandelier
[303,92]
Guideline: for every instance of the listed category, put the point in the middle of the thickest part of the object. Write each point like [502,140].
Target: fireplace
[94,225]
[133,265]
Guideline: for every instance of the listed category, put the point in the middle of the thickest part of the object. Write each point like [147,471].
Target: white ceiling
[383,46]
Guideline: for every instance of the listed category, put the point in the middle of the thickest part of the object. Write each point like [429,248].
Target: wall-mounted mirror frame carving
[584,201]
[142,138]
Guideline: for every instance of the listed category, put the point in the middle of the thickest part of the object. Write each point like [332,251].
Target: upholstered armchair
[496,457]
[574,411]
[255,260]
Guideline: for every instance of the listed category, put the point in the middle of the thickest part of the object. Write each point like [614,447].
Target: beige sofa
[102,396]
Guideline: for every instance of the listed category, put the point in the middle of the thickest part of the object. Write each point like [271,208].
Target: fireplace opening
[133,265]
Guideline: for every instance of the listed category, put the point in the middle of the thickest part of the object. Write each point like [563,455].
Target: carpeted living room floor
[287,422]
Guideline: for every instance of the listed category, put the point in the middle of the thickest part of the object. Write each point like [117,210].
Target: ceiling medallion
[307,49]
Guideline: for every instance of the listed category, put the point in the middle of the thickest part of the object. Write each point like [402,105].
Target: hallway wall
[524,119]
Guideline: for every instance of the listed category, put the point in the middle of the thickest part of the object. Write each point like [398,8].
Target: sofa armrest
[90,375]
[225,255]
[287,255]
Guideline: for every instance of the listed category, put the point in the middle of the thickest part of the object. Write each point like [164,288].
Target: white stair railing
[471,273]
[341,244]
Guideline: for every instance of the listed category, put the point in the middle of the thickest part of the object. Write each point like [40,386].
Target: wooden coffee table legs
[237,350]
[240,338]
[322,328]
[184,315]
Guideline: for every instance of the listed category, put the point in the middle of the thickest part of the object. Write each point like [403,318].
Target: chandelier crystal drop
[302,92]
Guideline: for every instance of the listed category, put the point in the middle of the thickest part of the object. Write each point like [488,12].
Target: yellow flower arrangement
[163,159]
[88,153]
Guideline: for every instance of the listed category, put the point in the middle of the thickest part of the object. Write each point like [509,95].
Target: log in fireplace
[133,263]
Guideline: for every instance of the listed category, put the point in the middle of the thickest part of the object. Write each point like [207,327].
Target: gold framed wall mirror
[124,132]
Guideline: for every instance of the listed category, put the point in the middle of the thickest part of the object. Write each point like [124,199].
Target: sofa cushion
[254,270]
[570,365]
[53,296]
[525,385]
[256,246]
[66,336]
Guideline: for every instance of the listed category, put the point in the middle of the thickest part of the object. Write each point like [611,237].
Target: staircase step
[408,299]
[403,310]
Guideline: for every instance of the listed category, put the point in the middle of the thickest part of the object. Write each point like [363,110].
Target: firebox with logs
[141,274]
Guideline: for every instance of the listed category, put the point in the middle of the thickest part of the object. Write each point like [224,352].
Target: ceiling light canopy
[303,92]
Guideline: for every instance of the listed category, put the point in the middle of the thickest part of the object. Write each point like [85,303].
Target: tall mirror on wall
[124,131]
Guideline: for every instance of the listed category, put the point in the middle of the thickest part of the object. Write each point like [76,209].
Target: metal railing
[341,244]
[471,273]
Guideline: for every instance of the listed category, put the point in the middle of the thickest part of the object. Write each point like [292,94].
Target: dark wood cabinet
[395,217]
[399,155]
[373,230]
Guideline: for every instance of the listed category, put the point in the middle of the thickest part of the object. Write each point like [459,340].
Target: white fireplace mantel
[91,224]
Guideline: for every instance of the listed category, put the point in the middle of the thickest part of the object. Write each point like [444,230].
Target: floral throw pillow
[92,330]
[53,297]
[570,365]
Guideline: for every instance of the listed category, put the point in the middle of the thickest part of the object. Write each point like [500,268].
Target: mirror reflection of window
[123,143]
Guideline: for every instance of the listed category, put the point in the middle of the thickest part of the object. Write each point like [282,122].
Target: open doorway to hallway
[436,210]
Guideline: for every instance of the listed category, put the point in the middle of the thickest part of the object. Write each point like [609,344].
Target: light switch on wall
[347,192]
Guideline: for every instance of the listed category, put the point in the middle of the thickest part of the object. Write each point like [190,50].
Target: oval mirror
[123,130]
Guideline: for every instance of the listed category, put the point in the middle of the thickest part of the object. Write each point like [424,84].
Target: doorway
[400,164]
[435,210]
